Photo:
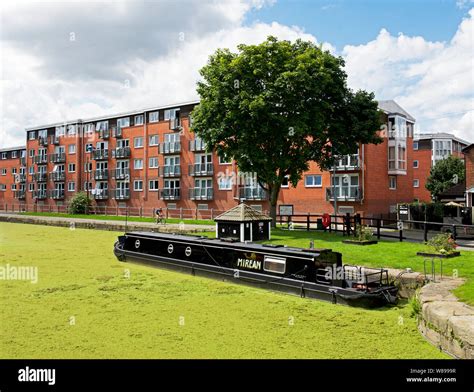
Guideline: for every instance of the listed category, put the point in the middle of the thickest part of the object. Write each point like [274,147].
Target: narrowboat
[313,273]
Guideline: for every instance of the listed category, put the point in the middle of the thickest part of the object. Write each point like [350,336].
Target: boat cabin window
[274,264]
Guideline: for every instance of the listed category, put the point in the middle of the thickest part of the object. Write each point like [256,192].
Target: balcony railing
[122,194]
[57,176]
[57,194]
[20,194]
[344,193]
[170,171]
[197,145]
[40,177]
[41,194]
[53,139]
[171,193]
[122,152]
[170,147]
[104,134]
[348,162]
[121,173]
[201,193]
[43,141]
[201,169]
[175,124]
[101,174]
[100,194]
[252,193]
[101,154]
[39,159]
[58,157]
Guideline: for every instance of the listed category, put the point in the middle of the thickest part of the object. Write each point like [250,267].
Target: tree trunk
[274,192]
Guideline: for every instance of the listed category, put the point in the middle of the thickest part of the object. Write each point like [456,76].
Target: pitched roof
[242,213]
[455,190]
[439,135]
[391,107]
[6,149]
[467,148]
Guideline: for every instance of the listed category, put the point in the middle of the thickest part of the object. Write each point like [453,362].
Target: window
[416,183]
[31,153]
[60,131]
[153,163]
[71,186]
[138,142]
[415,164]
[3,187]
[4,155]
[274,264]
[391,158]
[170,114]
[224,183]
[153,140]
[89,147]
[13,187]
[14,154]
[224,161]
[31,135]
[138,164]
[72,149]
[123,122]
[71,130]
[138,120]
[285,183]
[313,181]
[415,145]
[4,172]
[392,182]
[138,185]
[88,167]
[31,170]
[31,187]
[13,170]
[71,168]
[89,128]
[401,157]
[153,116]
[346,186]
[87,186]
[153,185]
[102,126]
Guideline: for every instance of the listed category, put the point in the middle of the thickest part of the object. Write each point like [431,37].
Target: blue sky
[354,22]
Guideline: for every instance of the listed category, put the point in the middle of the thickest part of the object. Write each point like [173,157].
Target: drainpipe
[362,166]
[145,158]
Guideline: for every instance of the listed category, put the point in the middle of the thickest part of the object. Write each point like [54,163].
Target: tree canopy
[276,106]
[445,174]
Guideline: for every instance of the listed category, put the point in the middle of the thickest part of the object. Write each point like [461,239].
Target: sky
[64,60]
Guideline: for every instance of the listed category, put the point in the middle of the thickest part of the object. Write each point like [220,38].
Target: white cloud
[434,81]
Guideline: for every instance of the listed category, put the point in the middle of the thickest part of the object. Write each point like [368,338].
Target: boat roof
[281,249]
[242,213]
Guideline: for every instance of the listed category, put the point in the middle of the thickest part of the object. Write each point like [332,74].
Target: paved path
[104,224]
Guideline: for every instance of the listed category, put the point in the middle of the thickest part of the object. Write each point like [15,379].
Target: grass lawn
[155,313]
[120,218]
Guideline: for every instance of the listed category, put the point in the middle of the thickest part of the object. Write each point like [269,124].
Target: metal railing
[170,147]
[100,194]
[59,157]
[122,194]
[171,193]
[57,176]
[57,194]
[101,174]
[201,169]
[201,194]
[344,193]
[101,154]
[121,173]
[170,171]
[197,145]
[40,177]
[122,152]
[252,193]
[39,159]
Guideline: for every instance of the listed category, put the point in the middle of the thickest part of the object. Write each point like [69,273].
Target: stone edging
[445,321]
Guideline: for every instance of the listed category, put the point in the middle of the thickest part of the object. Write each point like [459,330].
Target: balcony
[40,177]
[100,194]
[122,194]
[197,146]
[101,154]
[40,159]
[170,147]
[57,194]
[175,124]
[20,177]
[201,193]
[344,193]
[40,195]
[171,194]
[348,163]
[58,157]
[104,134]
[20,194]
[101,174]
[43,141]
[121,173]
[201,169]
[57,176]
[252,193]
[54,140]
[170,171]
[117,132]
[122,152]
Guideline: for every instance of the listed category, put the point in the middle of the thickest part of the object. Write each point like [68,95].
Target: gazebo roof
[242,213]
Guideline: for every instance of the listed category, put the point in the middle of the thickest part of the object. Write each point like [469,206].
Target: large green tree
[445,174]
[276,106]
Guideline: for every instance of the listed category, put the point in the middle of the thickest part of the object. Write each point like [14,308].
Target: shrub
[80,204]
[442,243]
[415,305]
[364,233]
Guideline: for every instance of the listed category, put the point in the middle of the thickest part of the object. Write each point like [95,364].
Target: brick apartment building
[469,163]
[150,158]
[429,148]
[12,174]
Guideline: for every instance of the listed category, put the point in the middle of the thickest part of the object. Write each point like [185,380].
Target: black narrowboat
[313,273]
